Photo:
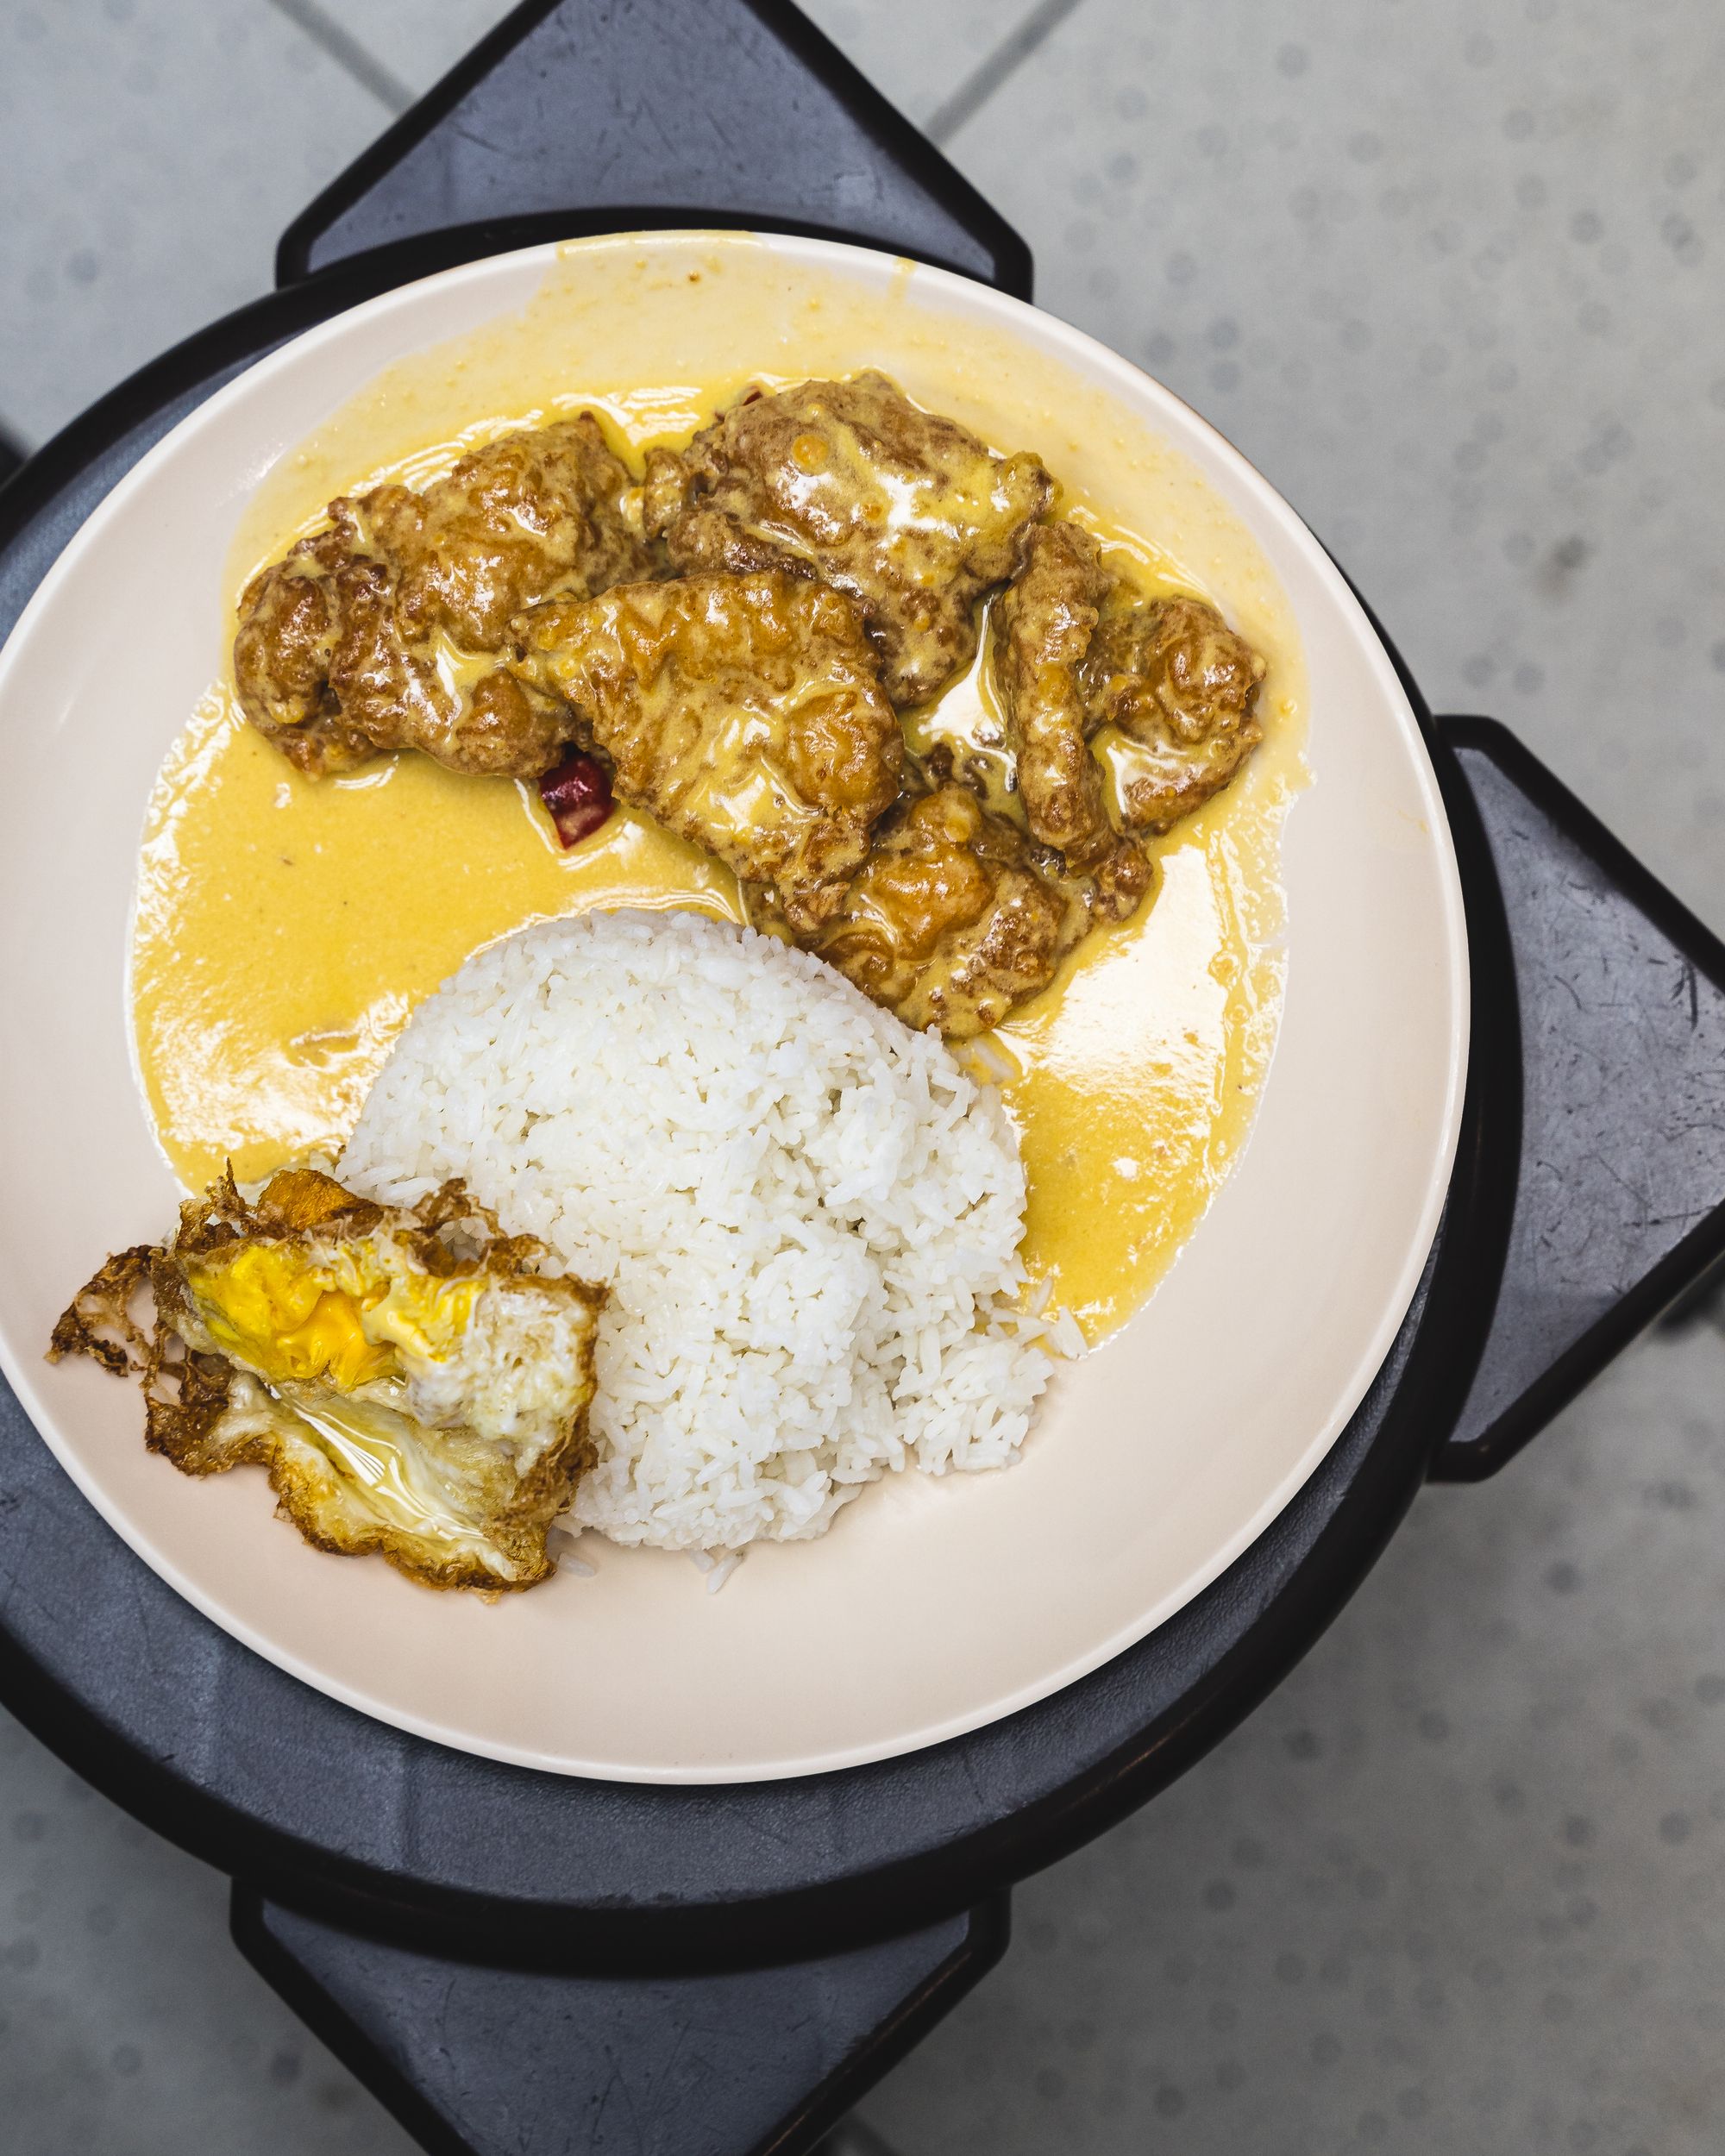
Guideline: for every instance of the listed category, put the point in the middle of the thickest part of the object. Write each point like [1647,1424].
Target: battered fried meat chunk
[1179,684]
[374,633]
[1044,623]
[951,923]
[410,1380]
[850,481]
[744,712]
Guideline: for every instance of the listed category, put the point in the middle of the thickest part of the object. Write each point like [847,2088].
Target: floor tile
[149,158]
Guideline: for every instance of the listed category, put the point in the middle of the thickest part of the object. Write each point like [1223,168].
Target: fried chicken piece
[950,923]
[744,712]
[850,481]
[374,633]
[1179,684]
[1118,885]
[413,1383]
[528,517]
[1044,623]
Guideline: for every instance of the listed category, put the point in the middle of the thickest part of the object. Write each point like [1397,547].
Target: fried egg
[414,1383]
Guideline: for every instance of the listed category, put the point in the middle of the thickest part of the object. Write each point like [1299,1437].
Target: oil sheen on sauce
[286,927]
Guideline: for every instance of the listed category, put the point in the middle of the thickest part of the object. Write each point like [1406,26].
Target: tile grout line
[340,46]
[1007,57]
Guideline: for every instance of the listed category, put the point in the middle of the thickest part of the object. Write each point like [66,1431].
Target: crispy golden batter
[373,634]
[745,712]
[908,512]
[1179,684]
[950,922]
[528,517]
[834,542]
[1044,623]
[412,1383]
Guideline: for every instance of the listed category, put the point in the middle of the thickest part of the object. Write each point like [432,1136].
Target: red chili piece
[577,793]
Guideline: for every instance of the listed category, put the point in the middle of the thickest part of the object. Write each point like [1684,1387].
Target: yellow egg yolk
[345,1317]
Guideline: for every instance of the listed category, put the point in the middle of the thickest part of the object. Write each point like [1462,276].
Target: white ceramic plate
[934,1607]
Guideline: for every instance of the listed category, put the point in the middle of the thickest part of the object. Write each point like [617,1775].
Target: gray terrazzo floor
[1451,276]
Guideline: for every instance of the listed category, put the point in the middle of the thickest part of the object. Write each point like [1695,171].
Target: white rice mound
[808,1214]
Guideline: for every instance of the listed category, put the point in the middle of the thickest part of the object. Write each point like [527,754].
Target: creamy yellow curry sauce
[286,927]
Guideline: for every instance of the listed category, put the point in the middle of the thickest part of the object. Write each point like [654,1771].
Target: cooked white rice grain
[808,1214]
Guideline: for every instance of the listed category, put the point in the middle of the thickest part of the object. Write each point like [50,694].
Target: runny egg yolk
[344,1318]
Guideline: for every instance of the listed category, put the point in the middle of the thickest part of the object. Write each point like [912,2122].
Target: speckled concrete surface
[1451,276]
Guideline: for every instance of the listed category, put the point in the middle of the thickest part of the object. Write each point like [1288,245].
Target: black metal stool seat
[518,1960]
